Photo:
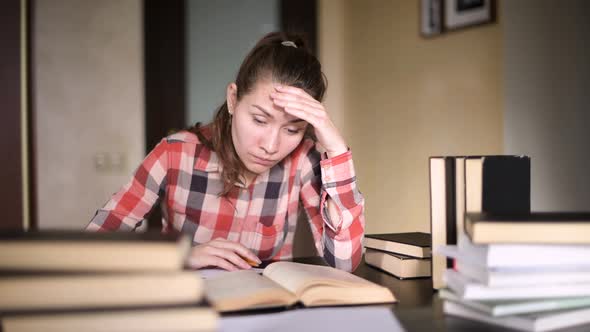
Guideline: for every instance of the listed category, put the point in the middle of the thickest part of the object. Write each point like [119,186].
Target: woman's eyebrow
[272,117]
[264,111]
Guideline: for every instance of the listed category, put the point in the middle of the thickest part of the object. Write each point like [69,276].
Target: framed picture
[431,16]
[465,13]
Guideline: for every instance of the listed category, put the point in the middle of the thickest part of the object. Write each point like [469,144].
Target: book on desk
[71,281]
[542,286]
[404,255]
[474,184]
[283,284]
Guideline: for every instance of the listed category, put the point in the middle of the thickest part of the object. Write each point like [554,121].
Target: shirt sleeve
[127,208]
[339,240]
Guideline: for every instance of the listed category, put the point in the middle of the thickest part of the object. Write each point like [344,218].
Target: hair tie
[288,43]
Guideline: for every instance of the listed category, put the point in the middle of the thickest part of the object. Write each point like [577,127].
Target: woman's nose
[270,142]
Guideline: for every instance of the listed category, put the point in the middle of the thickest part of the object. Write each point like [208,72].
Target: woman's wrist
[336,152]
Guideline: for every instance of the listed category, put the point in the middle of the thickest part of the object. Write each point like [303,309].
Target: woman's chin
[257,168]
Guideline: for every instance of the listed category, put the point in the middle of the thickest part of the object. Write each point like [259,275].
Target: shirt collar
[207,161]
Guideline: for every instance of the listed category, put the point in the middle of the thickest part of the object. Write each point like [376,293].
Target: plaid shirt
[185,175]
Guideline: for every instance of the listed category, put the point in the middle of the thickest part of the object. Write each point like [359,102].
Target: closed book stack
[538,281]
[70,281]
[404,255]
[475,184]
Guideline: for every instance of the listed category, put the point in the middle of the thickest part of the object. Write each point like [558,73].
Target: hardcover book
[282,284]
[92,252]
[173,319]
[537,322]
[518,307]
[22,292]
[401,266]
[442,213]
[415,244]
[468,289]
[535,227]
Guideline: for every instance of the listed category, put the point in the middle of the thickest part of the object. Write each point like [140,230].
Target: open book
[286,283]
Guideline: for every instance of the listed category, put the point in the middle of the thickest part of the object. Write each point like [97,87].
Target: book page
[245,289]
[295,277]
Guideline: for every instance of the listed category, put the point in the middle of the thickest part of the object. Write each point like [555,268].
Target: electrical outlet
[110,162]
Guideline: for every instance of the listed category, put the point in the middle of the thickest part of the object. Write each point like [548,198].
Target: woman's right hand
[228,255]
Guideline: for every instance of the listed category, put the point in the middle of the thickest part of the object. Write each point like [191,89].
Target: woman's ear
[231,97]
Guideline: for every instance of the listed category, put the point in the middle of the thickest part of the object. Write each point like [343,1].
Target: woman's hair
[274,57]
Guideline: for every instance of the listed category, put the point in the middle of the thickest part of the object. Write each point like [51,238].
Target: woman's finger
[303,113]
[302,104]
[203,260]
[237,248]
[295,91]
[299,105]
[229,256]
[292,97]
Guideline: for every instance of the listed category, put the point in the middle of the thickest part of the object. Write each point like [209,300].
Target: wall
[220,34]
[546,79]
[88,105]
[400,98]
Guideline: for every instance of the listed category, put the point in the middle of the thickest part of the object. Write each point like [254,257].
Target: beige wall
[400,98]
[88,105]
[546,79]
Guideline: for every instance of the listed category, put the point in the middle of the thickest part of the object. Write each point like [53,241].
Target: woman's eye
[259,121]
[292,131]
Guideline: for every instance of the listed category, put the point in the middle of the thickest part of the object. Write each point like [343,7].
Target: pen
[251,262]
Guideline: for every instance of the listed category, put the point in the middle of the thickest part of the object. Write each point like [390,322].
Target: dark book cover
[451,204]
[506,184]
[417,239]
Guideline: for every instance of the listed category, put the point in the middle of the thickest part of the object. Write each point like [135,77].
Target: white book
[513,275]
[509,256]
[522,276]
[469,289]
[504,308]
[526,255]
[532,322]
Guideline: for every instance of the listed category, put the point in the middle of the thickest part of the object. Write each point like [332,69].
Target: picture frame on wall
[431,18]
[459,14]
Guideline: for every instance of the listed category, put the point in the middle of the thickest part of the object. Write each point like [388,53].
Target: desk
[418,307]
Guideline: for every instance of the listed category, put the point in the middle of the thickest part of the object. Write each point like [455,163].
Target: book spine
[442,213]
[451,225]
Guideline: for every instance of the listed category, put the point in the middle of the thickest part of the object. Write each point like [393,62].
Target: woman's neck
[248,178]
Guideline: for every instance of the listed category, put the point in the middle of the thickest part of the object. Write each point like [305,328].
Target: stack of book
[474,184]
[404,255]
[62,281]
[527,272]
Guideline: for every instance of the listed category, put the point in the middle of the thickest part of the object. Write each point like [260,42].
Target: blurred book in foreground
[86,251]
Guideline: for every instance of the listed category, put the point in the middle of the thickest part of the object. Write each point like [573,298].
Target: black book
[415,244]
[498,184]
[535,227]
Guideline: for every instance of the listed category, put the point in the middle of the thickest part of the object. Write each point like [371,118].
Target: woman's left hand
[300,104]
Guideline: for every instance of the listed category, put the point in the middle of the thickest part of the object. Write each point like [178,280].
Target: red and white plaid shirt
[185,175]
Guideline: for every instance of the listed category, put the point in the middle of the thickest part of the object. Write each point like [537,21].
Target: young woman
[236,184]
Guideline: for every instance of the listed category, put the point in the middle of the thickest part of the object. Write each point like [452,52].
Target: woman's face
[262,133]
